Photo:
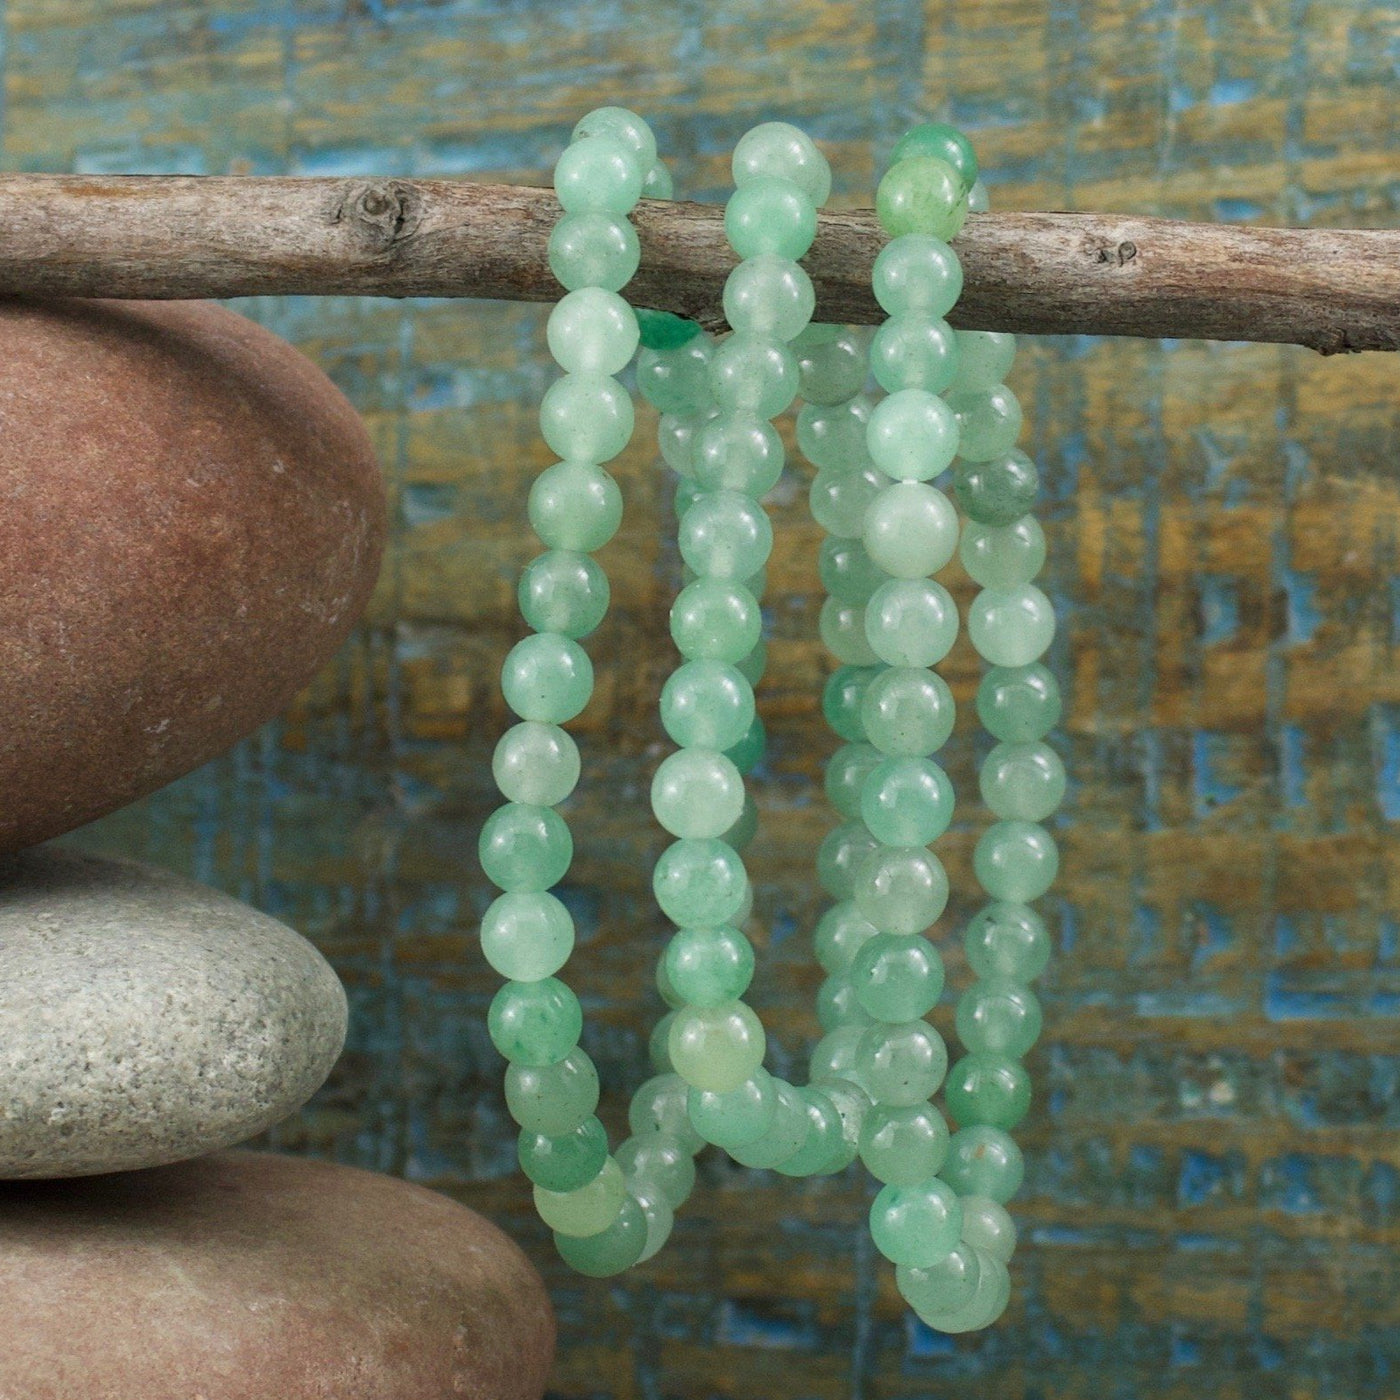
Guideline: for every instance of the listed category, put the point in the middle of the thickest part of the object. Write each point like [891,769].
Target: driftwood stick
[1086,274]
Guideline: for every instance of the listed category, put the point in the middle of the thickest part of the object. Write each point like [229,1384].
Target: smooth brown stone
[191,521]
[248,1276]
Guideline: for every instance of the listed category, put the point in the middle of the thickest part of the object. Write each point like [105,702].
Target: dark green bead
[842,696]
[661,330]
[999,491]
[990,1090]
[566,1162]
[941,140]
[748,752]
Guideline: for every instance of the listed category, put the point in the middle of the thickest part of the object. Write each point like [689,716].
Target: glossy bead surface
[912,435]
[586,1210]
[897,977]
[987,1227]
[948,1285]
[769,295]
[839,934]
[755,374]
[903,1146]
[526,936]
[770,215]
[906,801]
[848,572]
[916,273]
[661,1105]
[823,1148]
[910,530]
[921,194]
[916,1225]
[901,889]
[840,855]
[1003,556]
[1016,861]
[658,1160]
[599,172]
[607,1252]
[901,1065]
[911,622]
[782,150]
[661,330]
[1007,942]
[697,792]
[738,452]
[709,966]
[575,505]
[784,1135]
[707,705]
[842,628]
[716,1047]
[725,534]
[660,1217]
[536,764]
[839,498]
[594,249]
[987,1089]
[989,422]
[984,1162]
[1018,704]
[622,125]
[842,696]
[1011,627]
[748,752]
[553,1099]
[914,351]
[715,620]
[999,1018]
[592,331]
[837,1004]
[1025,782]
[987,1303]
[677,380]
[833,436]
[984,359]
[941,140]
[834,1056]
[547,678]
[586,417]
[740,1115]
[534,1023]
[563,591]
[999,491]
[699,883]
[907,712]
[846,771]
[566,1162]
[831,362]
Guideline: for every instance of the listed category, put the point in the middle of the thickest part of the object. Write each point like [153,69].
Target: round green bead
[901,889]
[848,572]
[745,826]
[917,273]
[585,1210]
[851,1103]
[999,1018]
[675,436]
[1024,782]
[903,1146]
[534,1023]
[527,936]
[846,771]
[984,359]
[715,619]
[612,1250]
[784,1135]
[912,435]
[660,1105]
[782,150]
[599,172]
[753,374]
[842,696]
[984,1162]
[916,1225]
[945,142]
[907,712]
[575,505]
[592,331]
[659,1044]
[524,847]
[948,1285]
[658,1161]
[725,534]
[716,1047]
[842,627]
[566,1162]
[770,215]
[979,201]
[1011,627]
[770,296]
[910,530]
[677,380]
[987,1303]
[756,662]
[989,422]
[914,351]
[911,622]
[707,705]
[553,1099]
[594,249]
[998,491]
[906,801]
[660,1218]
[699,883]
[1016,861]
[535,763]
[663,330]
[747,753]
[831,363]
[839,497]
[987,1227]
[839,934]
[709,966]
[832,436]
[837,1004]
[658,184]
[901,1064]
[586,417]
[1007,942]
[897,977]
[669,994]
[563,591]
[921,194]
[824,1149]
[737,1117]
[1003,556]
[547,678]
[623,125]
[1018,704]
[738,452]
[988,1089]
[697,792]
[834,1056]
[839,855]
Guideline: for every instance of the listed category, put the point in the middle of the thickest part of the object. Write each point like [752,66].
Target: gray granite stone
[145,1019]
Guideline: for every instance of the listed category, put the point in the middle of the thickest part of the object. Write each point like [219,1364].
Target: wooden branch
[1052,273]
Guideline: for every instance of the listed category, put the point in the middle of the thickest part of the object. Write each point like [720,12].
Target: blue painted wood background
[1213,1195]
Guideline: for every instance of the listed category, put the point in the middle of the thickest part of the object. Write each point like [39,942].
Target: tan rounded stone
[191,521]
[248,1276]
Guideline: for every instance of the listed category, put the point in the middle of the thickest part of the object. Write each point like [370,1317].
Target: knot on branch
[383,212]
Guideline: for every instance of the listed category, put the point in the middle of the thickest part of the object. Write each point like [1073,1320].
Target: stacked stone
[192,520]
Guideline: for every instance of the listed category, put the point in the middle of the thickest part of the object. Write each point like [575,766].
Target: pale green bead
[1011,627]
[999,1018]
[594,249]
[709,966]
[1016,861]
[851,1103]
[989,1089]
[725,534]
[781,149]
[677,380]
[901,1065]
[847,571]
[901,889]
[656,1208]
[1024,782]
[660,1105]
[610,1251]
[563,591]
[784,1135]
[839,855]
[739,1116]
[978,198]
[659,1045]
[912,435]
[838,1005]
[914,351]
[906,801]
[987,1227]
[553,1099]
[623,125]
[535,763]
[707,705]
[832,436]
[997,491]
[589,1209]
[824,1148]
[738,452]
[989,422]
[842,696]
[839,498]
[911,622]
[1007,942]
[697,792]
[917,273]
[941,140]
[586,417]
[984,359]
[592,331]
[921,194]
[753,374]
[534,1023]
[907,712]
[525,847]
[846,771]
[839,934]
[658,184]
[1003,556]
[1018,704]
[566,1162]
[903,1146]
[547,677]
[987,1303]
[716,1047]
[947,1286]
[984,1162]
[527,936]
[770,296]
[834,1055]
[599,172]
[831,362]
[675,437]
[699,883]
[842,627]
[658,1160]
[575,505]
[910,530]
[715,620]
[916,1225]
[770,215]
[747,754]
[897,977]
